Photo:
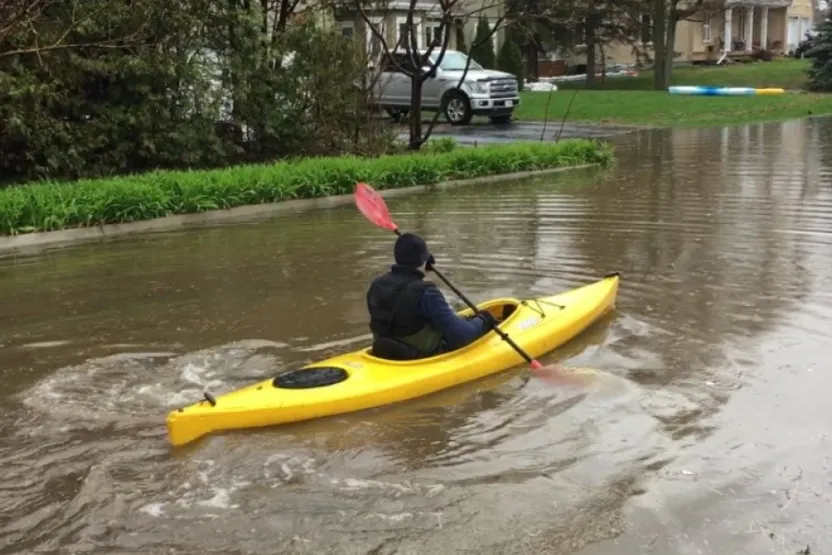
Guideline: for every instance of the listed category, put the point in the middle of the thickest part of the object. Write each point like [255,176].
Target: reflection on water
[707,392]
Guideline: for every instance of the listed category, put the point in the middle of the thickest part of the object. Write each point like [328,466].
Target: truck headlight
[479,88]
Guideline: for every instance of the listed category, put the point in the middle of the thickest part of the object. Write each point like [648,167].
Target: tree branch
[74,23]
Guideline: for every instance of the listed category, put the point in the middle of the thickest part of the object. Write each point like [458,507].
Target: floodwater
[704,430]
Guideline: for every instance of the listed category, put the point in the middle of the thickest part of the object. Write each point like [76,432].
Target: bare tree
[421,65]
[16,15]
[666,15]
[29,21]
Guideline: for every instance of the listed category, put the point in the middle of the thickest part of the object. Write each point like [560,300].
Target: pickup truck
[484,92]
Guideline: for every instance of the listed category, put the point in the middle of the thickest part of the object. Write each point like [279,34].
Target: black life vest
[393,303]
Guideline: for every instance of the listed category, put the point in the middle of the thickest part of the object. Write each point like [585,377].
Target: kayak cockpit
[500,309]
[312,377]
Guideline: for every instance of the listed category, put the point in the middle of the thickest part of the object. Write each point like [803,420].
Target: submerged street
[703,431]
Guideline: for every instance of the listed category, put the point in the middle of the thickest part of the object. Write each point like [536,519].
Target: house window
[740,29]
[580,33]
[496,36]
[646,29]
[403,32]
[433,35]
[347,30]
[461,43]
[374,46]
[806,27]
[706,28]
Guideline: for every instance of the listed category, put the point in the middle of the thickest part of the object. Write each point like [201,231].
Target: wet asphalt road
[485,132]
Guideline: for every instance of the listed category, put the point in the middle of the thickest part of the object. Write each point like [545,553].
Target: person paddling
[409,317]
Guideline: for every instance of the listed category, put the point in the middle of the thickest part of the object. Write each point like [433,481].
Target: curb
[240,213]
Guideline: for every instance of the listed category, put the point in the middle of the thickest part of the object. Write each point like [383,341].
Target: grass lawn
[786,73]
[630,100]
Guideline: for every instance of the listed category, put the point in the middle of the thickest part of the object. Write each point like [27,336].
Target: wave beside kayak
[138,385]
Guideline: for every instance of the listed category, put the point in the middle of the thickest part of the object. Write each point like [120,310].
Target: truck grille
[503,88]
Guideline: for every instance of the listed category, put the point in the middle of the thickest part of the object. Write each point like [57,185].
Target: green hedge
[46,206]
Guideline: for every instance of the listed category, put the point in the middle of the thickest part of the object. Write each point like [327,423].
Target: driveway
[486,132]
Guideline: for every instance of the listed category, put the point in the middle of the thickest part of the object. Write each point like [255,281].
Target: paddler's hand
[488,320]
[430,262]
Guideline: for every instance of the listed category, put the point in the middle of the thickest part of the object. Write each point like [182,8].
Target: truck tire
[398,114]
[457,108]
[501,119]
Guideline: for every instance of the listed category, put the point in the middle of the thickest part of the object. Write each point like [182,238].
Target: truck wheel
[397,113]
[501,120]
[457,108]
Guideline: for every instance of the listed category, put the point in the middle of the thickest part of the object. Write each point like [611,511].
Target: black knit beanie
[410,250]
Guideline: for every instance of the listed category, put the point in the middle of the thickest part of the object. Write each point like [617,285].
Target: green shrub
[442,144]
[511,61]
[482,49]
[820,53]
[165,102]
[46,206]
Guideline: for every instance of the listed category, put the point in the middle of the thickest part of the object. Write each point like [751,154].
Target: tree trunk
[234,71]
[660,44]
[415,142]
[590,51]
[603,63]
[532,67]
[669,44]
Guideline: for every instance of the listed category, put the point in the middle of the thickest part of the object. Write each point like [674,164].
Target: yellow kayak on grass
[357,380]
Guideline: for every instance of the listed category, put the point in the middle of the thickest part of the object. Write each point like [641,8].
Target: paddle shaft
[503,335]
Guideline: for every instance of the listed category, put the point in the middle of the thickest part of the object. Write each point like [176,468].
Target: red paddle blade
[372,205]
[563,376]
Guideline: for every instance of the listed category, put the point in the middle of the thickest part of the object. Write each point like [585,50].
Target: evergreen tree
[510,60]
[483,48]
[460,40]
[820,53]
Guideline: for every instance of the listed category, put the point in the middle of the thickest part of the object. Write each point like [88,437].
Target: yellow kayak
[357,380]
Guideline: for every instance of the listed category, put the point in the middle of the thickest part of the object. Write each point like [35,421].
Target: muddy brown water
[704,431]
